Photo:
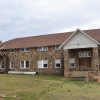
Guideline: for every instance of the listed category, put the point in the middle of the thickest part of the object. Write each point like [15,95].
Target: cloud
[33,17]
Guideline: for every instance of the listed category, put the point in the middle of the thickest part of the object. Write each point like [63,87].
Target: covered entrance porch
[82,62]
[81,55]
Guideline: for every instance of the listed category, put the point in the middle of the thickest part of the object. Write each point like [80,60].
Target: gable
[79,40]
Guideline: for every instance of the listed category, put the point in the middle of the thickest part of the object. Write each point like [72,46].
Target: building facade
[70,54]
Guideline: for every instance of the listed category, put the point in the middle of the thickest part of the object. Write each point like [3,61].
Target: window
[57,47]
[12,51]
[2,65]
[42,48]
[58,63]
[27,64]
[42,63]
[11,64]
[72,63]
[24,64]
[84,54]
[25,49]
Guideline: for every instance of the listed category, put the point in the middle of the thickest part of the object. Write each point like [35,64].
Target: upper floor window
[44,48]
[12,51]
[25,49]
[24,64]
[57,47]
[42,63]
[84,54]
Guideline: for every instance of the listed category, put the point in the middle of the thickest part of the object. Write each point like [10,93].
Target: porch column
[66,63]
[95,60]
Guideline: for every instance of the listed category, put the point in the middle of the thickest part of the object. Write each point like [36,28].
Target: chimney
[1,44]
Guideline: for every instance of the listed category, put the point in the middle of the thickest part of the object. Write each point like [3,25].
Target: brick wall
[32,56]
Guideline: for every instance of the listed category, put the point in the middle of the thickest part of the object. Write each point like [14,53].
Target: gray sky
[19,18]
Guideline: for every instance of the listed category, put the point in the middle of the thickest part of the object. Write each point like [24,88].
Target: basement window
[42,63]
[24,64]
[57,63]
[44,48]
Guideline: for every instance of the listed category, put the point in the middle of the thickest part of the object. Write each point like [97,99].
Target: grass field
[40,87]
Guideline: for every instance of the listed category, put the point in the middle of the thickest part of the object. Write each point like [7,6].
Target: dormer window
[25,49]
[57,47]
[44,48]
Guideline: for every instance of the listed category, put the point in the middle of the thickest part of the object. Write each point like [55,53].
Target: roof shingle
[46,40]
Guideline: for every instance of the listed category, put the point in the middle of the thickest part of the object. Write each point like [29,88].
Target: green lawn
[40,87]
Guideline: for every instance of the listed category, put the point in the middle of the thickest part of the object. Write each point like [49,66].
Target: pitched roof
[46,40]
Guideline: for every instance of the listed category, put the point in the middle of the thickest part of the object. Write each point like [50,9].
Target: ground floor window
[58,63]
[24,64]
[72,63]
[11,64]
[2,65]
[42,63]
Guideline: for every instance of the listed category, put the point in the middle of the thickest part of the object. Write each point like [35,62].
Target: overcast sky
[19,18]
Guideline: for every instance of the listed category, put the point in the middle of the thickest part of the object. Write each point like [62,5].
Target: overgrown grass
[41,87]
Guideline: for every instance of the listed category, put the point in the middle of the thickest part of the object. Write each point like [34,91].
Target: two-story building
[69,53]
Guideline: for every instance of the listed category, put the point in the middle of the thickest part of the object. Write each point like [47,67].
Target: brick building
[69,53]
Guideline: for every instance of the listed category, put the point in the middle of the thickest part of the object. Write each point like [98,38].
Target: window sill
[57,67]
[12,52]
[2,68]
[42,50]
[25,51]
[11,68]
[43,68]
[57,49]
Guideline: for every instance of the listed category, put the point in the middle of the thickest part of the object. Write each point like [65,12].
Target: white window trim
[82,54]
[24,64]
[25,50]
[10,65]
[70,61]
[42,48]
[1,65]
[42,63]
[57,47]
[56,63]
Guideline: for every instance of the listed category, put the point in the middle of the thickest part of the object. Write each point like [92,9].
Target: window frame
[25,50]
[2,64]
[84,54]
[42,62]
[42,48]
[58,60]
[24,64]
[11,65]
[12,51]
[72,60]
[57,47]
